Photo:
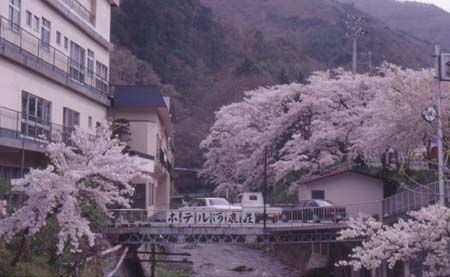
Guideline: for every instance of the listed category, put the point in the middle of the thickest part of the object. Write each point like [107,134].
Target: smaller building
[359,192]
[149,116]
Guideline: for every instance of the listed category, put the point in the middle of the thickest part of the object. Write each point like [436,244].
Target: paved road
[219,260]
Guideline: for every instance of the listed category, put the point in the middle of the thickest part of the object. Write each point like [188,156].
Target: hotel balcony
[25,49]
[21,132]
[80,10]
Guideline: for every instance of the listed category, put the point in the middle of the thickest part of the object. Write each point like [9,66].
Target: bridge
[206,226]
[306,225]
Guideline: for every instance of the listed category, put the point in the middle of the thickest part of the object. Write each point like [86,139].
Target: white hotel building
[54,75]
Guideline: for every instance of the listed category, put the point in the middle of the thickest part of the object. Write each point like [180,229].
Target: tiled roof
[138,97]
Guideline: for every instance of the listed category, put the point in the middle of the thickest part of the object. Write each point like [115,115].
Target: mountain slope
[213,50]
[318,28]
[425,21]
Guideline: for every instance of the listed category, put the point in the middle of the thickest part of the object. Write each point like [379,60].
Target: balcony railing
[15,125]
[31,47]
[81,10]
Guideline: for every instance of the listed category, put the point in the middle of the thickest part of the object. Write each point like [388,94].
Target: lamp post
[442,73]
[437,57]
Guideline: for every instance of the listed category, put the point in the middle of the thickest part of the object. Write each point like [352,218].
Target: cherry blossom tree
[425,234]
[90,169]
[314,127]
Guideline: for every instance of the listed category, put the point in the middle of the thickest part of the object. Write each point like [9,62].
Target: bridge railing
[412,199]
[237,217]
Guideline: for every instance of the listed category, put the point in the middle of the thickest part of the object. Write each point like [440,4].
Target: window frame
[71,118]
[90,63]
[90,121]
[321,192]
[101,77]
[14,14]
[36,23]
[46,33]
[29,19]
[58,38]
[36,121]
[77,62]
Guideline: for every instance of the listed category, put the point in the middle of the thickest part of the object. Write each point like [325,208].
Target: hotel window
[45,34]
[71,118]
[66,43]
[77,57]
[90,63]
[101,82]
[36,116]
[58,38]
[90,122]
[14,14]
[29,19]
[36,23]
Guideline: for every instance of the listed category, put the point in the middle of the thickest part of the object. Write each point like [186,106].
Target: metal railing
[81,10]
[14,124]
[410,200]
[330,214]
[16,39]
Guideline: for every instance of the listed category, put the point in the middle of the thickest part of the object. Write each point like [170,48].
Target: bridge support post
[153,261]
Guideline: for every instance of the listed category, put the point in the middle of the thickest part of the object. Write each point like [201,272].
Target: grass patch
[37,267]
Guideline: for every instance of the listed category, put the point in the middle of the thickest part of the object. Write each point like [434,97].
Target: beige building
[150,117]
[356,191]
[54,72]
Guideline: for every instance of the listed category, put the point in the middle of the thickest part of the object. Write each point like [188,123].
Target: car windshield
[218,202]
[323,203]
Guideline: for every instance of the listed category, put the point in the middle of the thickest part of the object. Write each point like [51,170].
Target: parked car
[315,210]
[254,202]
[210,203]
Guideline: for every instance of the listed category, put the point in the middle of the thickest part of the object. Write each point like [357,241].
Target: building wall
[14,79]
[65,27]
[358,192]
[145,127]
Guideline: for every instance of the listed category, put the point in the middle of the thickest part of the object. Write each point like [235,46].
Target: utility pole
[265,187]
[437,58]
[354,55]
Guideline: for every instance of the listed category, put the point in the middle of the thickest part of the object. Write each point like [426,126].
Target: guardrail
[31,47]
[217,217]
[412,199]
[13,124]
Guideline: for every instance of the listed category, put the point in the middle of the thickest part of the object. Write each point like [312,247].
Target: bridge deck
[279,233]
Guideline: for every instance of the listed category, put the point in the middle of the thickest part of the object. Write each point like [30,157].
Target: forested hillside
[205,53]
[425,21]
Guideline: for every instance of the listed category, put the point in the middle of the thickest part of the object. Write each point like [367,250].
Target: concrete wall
[358,192]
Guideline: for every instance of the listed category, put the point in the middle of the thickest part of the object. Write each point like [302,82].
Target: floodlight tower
[355,30]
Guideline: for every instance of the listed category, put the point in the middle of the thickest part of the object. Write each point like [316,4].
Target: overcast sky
[445,4]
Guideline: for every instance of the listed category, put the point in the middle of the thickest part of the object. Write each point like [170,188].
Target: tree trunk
[21,248]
